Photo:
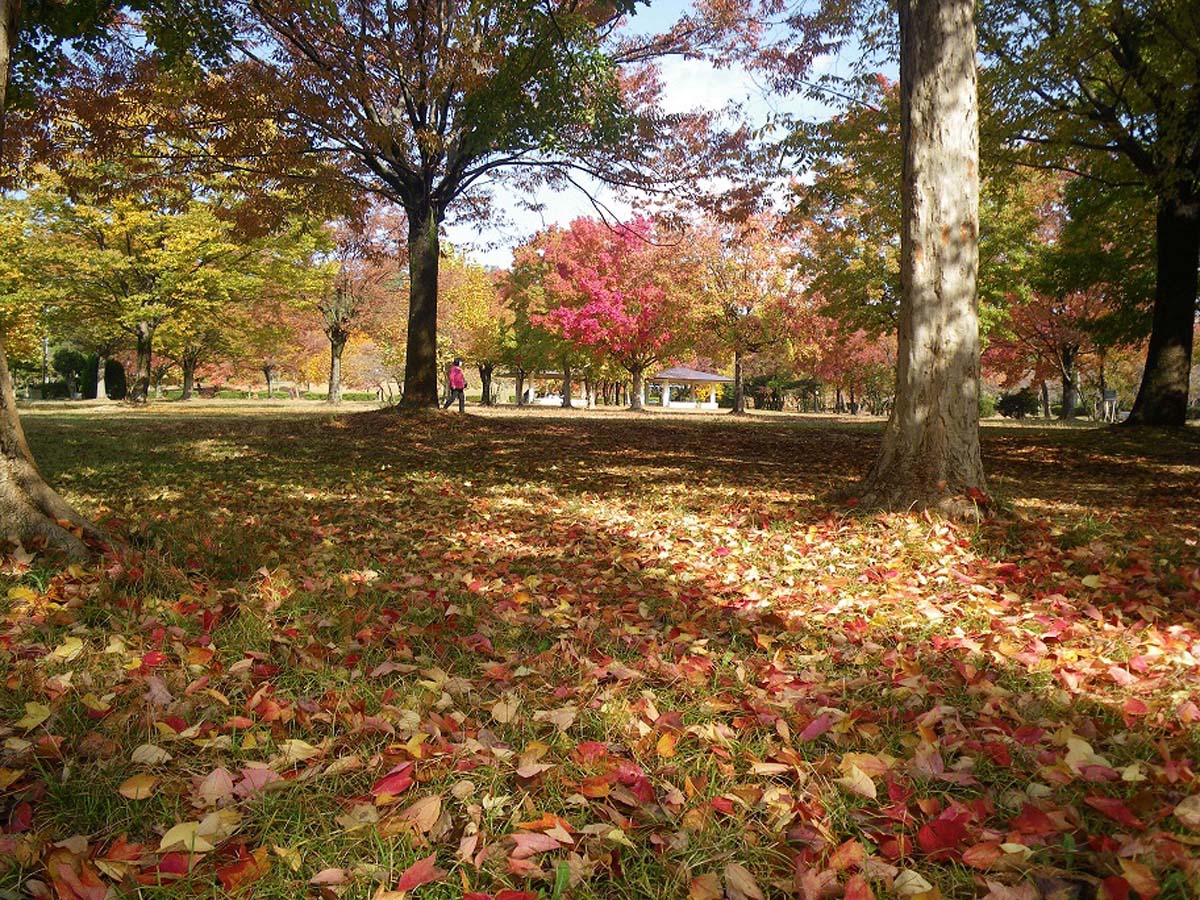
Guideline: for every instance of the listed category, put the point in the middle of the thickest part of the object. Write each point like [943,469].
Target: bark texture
[739,385]
[145,350]
[1163,394]
[635,395]
[485,379]
[30,510]
[337,343]
[930,453]
[420,364]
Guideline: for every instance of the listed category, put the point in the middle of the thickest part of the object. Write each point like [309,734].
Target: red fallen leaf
[849,855]
[170,866]
[1135,707]
[590,751]
[531,843]
[982,855]
[722,805]
[940,837]
[154,659]
[83,886]
[858,889]
[1113,888]
[248,868]
[816,727]
[1115,810]
[1032,820]
[395,782]
[421,872]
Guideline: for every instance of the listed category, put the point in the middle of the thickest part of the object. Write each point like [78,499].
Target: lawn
[542,654]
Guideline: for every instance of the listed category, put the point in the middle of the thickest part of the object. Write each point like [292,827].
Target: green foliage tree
[1109,90]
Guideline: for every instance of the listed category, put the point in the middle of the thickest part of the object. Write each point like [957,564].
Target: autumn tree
[1109,90]
[478,317]
[426,103]
[611,291]
[742,280]
[930,454]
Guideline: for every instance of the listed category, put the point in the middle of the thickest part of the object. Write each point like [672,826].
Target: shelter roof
[680,374]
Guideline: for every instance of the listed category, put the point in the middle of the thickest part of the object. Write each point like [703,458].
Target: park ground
[531,654]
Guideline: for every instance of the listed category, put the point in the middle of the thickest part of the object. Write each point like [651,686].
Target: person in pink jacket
[458,381]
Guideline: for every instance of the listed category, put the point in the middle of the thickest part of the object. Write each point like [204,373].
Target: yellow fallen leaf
[66,651]
[150,755]
[22,594]
[9,777]
[295,750]
[505,710]
[35,715]
[290,856]
[856,781]
[184,836]
[910,884]
[666,745]
[139,787]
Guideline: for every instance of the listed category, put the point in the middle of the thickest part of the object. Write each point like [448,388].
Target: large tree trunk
[635,394]
[1163,395]
[337,343]
[30,510]
[739,385]
[1070,392]
[485,379]
[520,387]
[1045,400]
[567,387]
[145,353]
[268,373]
[101,387]
[188,365]
[930,452]
[420,364]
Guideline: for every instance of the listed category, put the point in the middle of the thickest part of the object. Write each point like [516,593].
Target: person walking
[458,382]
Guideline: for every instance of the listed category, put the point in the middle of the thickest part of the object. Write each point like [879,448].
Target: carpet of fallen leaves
[544,655]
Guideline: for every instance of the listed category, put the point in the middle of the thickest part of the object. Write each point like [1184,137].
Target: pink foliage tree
[609,291]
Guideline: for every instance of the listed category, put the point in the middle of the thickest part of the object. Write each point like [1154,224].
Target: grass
[728,639]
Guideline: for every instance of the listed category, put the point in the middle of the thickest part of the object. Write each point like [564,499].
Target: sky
[689,84]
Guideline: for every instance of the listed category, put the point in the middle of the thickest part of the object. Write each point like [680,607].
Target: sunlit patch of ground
[598,654]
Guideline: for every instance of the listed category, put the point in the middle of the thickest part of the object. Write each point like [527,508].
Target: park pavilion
[693,378]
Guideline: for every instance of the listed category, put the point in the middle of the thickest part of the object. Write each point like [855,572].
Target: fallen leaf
[35,715]
[185,836]
[740,884]
[423,871]
[139,787]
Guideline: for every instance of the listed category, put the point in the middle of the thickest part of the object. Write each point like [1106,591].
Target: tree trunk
[739,385]
[566,388]
[101,387]
[188,365]
[1163,395]
[635,393]
[1070,393]
[520,387]
[420,363]
[485,379]
[30,510]
[145,350]
[930,452]
[267,372]
[337,343]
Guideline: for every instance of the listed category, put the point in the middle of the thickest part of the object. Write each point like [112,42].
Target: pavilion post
[666,394]
[712,396]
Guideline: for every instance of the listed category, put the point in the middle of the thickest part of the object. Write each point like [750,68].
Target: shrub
[1019,405]
[987,406]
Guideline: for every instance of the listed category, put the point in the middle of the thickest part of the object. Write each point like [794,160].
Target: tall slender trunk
[930,451]
[635,393]
[567,387]
[739,385]
[145,352]
[485,380]
[520,387]
[337,343]
[420,364]
[1163,395]
[101,387]
[268,373]
[1045,400]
